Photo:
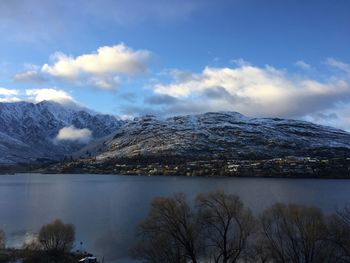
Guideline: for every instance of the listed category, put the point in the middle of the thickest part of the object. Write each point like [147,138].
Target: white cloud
[338,65]
[338,117]
[104,83]
[240,62]
[38,95]
[8,92]
[303,65]
[254,91]
[9,95]
[72,133]
[29,76]
[100,67]
[10,99]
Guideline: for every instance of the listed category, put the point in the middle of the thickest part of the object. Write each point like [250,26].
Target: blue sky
[261,58]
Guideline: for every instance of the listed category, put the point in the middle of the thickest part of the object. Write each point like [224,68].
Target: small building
[88,260]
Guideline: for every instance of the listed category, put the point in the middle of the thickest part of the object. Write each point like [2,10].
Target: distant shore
[288,167]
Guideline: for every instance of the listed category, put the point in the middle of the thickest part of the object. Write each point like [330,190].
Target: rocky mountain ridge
[28,131]
[213,143]
[221,134]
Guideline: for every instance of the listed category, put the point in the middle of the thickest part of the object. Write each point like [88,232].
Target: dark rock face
[28,130]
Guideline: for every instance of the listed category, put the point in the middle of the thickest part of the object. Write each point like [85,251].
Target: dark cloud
[161,100]
[128,96]
[186,107]
[181,75]
[218,93]
[134,110]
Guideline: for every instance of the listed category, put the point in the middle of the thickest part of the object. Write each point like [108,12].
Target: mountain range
[29,132]
[221,134]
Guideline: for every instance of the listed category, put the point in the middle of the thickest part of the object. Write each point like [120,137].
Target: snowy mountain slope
[227,134]
[28,130]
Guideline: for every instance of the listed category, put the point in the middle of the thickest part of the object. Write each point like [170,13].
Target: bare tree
[2,239]
[32,245]
[157,247]
[169,233]
[227,225]
[258,252]
[57,237]
[339,234]
[218,228]
[344,215]
[295,233]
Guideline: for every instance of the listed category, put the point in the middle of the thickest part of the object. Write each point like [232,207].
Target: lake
[106,209]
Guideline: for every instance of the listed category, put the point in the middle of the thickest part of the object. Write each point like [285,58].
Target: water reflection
[106,209]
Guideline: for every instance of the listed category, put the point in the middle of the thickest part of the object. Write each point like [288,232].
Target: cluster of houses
[279,167]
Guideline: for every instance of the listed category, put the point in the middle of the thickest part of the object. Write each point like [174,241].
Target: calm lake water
[107,208]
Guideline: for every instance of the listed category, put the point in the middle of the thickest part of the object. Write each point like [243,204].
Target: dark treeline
[218,228]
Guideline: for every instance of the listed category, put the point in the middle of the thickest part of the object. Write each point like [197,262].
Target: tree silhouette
[57,237]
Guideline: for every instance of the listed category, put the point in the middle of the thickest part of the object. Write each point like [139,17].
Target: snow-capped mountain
[223,134]
[28,131]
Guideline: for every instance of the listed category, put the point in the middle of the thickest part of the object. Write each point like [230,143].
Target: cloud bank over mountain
[266,91]
[36,95]
[258,92]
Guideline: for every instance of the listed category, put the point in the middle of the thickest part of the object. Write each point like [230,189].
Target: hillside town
[290,166]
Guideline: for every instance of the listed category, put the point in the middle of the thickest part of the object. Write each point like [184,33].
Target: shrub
[57,237]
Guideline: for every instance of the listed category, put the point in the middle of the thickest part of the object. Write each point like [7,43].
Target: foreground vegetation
[213,228]
[52,245]
[218,228]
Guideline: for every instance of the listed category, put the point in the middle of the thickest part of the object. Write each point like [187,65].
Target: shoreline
[175,176]
[286,167]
